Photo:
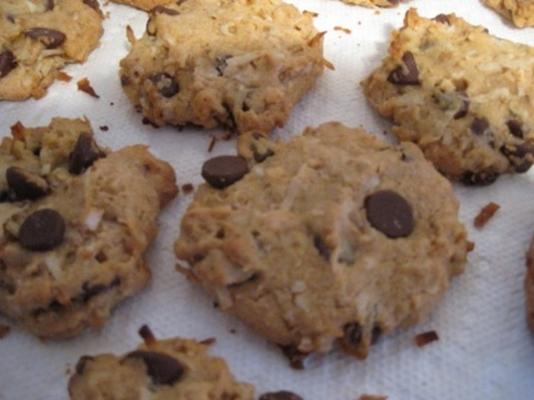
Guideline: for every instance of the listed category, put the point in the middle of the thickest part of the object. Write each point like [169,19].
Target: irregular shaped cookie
[529,286]
[174,369]
[337,236]
[520,12]
[240,64]
[76,220]
[146,5]
[464,96]
[38,37]
[373,3]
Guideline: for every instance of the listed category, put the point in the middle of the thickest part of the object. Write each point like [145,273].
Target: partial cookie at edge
[519,12]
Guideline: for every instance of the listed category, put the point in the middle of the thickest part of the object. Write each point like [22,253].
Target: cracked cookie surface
[334,236]
[462,95]
[38,37]
[75,222]
[238,64]
[520,12]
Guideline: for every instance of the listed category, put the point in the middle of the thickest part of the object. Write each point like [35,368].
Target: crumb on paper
[112,104]
[104,128]
[425,338]
[4,330]
[16,130]
[85,86]
[342,29]
[211,144]
[62,76]
[233,331]
[188,188]
[130,34]
[485,214]
[209,341]
[312,13]
[372,397]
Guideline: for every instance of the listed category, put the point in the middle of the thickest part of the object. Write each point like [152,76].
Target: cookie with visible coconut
[238,64]
[459,93]
[39,37]
[75,221]
[332,237]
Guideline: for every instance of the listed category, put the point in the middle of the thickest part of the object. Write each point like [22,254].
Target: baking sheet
[484,351]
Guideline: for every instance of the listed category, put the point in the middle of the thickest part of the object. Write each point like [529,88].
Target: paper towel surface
[485,350]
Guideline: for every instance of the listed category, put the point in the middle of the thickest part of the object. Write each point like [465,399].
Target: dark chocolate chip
[514,126]
[5,196]
[481,178]
[464,108]
[84,154]
[390,213]
[49,5]
[162,368]
[164,10]
[24,184]
[42,230]
[50,38]
[399,77]
[479,126]
[93,4]
[7,62]
[166,84]
[282,395]
[517,155]
[352,333]
[89,291]
[221,64]
[295,356]
[80,365]
[375,334]
[321,247]
[222,171]
[442,18]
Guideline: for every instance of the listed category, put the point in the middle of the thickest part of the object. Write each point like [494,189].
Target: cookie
[145,5]
[373,3]
[38,37]
[529,286]
[239,64]
[459,93]
[75,222]
[335,237]
[173,369]
[520,12]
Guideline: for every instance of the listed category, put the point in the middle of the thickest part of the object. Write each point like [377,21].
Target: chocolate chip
[390,213]
[84,154]
[162,368]
[442,18]
[411,77]
[221,64]
[282,395]
[479,126]
[93,4]
[50,38]
[7,63]
[164,10]
[166,84]
[514,126]
[517,155]
[42,230]
[80,365]
[464,108]
[89,291]
[49,5]
[321,247]
[352,334]
[24,184]
[294,355]
[481,178]
[222,171]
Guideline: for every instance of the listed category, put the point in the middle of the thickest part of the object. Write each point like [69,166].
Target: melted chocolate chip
[390,213]
[399,77]
[166,84]
[7,63]
[352,334]
[42,230]
[80,365]
[442,18]
[162,368]
[479,126]
[321,247]
[514,126]
[222,171]
[84,154]
[164,10]
[50,38]
[24,184]
[282,395]
[481,178]
[93,4]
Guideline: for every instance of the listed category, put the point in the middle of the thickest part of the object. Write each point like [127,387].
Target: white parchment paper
[485,350]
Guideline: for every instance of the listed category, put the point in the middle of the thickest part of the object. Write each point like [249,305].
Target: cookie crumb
[104,128]
[112,104]
[425,338]
[188,188]
[372,397]
[485,214]
[4,330]
[85,86]
[312,13]
[342,29]
[17,130]
[62,76]
[211,145]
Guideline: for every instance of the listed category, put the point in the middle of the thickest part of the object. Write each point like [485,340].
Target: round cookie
[529,286]
[38,37]
[172,369]
[239,64]
[461,94]
[520,12]
[334,237]
[145,5]
[75,222]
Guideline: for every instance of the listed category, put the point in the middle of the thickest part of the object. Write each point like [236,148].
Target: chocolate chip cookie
[334,237]
[172,369]
[462,95]
[529,286]
[75,222]
[38,37]
[520,12]
[239,64]
[145,5]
